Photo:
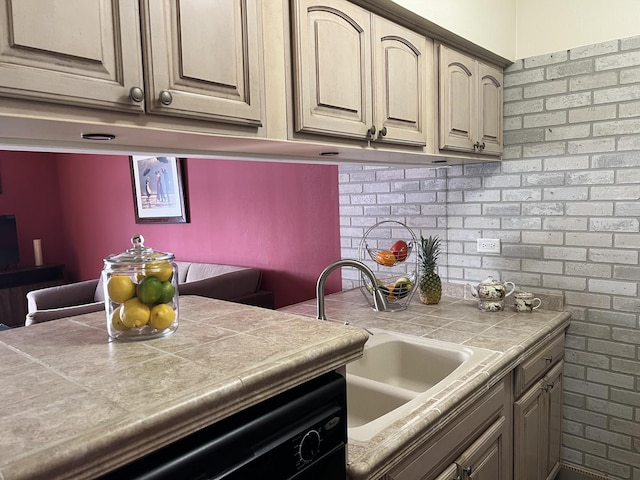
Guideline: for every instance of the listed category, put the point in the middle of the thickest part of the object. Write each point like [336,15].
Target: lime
[167,291]
[162,316]
[134,313]
[120,288]
[149,290]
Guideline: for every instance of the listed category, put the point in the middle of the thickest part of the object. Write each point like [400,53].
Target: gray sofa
[224,282]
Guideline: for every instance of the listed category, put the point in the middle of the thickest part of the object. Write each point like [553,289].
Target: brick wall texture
[565,202]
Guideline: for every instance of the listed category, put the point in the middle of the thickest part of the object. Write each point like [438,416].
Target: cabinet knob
[165,97]
[548,359]
[478,146]
[372,131]
[468,471]
[382,132]
[136,94]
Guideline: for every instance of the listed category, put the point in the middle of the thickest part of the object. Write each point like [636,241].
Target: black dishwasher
[300,434]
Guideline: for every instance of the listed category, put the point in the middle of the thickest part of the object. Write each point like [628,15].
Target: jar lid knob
[137,241]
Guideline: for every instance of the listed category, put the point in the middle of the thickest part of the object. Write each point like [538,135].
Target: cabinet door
[490,109]
[204,59]
[399,83]
[82,53]
[529,433]
[458,106]
[332,68]
[554,408]
[487,458]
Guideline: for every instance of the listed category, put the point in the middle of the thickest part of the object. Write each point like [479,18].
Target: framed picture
[158,189]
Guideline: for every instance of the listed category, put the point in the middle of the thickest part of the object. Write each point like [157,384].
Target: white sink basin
[396,373]
[407,363]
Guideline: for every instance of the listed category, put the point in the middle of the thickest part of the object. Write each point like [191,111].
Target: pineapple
[430,286]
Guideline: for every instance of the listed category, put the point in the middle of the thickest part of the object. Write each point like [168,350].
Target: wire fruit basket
[394,264]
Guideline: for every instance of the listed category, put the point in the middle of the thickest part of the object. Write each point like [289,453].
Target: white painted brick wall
[565,202]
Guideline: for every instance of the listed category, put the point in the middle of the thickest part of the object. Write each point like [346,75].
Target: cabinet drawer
[538,364]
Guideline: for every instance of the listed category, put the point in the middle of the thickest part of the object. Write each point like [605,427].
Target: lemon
[134,313]
[160,270]
[167,291]
[162,316]
[149,290]
[116,321]
[120,288]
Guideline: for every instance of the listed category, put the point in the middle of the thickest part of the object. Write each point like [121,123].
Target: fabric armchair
[64,301]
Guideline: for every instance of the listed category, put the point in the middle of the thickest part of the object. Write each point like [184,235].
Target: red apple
[400,249]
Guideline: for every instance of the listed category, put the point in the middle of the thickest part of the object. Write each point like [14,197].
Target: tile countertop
[509,334]
[75,405]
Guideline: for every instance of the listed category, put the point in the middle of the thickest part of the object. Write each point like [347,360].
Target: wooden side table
[17,282]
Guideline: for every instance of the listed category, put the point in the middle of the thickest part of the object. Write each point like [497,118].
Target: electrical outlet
[488,245]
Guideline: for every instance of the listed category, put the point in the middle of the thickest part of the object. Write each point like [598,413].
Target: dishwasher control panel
[324,436]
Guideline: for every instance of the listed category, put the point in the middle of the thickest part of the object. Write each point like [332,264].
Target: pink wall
[30,192]
[282,218]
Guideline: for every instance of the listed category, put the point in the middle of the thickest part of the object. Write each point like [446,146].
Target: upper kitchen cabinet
[400,84]
[357,75]
[81,53]
[470,104]
[200,60]
[204,59]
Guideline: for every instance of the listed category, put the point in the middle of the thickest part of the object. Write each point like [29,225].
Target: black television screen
[9,254]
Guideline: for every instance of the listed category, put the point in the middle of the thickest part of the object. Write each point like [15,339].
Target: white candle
[37,251]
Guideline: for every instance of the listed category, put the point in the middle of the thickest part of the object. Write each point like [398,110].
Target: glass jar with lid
[141,293]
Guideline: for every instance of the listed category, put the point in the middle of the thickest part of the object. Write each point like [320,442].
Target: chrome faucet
[379,302]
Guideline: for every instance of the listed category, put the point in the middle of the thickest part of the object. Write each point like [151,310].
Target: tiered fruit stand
[396,271]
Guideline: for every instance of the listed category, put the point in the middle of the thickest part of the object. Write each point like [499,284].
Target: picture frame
[159,189]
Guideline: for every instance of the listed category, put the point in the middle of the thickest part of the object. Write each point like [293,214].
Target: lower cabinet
[497,438]
[486,458]
[537,433]
[476,446]
[537,412]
